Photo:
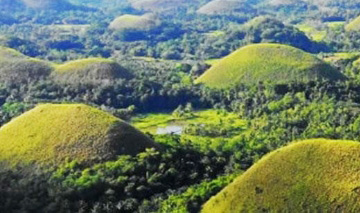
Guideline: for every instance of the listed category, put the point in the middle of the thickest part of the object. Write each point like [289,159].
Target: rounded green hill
[284,2]
[157,5]
[356,63]
[7,53]
[353,25]
[218,7]
[90,70]
[18,68]
[55,133]
[48,4]
[144,22]
[273,63]
[306,176]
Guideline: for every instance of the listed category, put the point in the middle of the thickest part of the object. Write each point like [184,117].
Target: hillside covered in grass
[218,7]
[353,25]
[157,5]
[302,177]
[55,133]
[267,62]
[49,4]
[90,70]
[144,22]
[18,68]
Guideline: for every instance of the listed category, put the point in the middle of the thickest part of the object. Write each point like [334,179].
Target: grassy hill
[157,5]
[10,5]
[224,6]
[18,68]
[273,63]
[354,25]
[49,4]
[53,133]
[90,70]
[277,32]
[144,22]
[309,176]
[284,2]
[10,53]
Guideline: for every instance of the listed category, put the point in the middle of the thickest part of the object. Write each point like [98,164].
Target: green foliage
[144,177]
[264,29]
[192,199]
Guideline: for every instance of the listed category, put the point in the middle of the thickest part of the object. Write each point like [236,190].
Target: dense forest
[138,61]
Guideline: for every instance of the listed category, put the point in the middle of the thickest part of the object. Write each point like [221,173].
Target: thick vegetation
[52,134]
[267,63]
[304,176]
[207,136]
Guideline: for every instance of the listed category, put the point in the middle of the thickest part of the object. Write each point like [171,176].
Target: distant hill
[10,5]
[309,176]
[49,4]
[219,7]
[20,5]
[55,133]
[157,5]
[18,68]
[143,23]
[284,2]
[6,19]
[353,25]
[265,29]
[273,63]
[90,70]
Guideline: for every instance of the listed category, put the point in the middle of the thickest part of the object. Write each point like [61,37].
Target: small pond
[170,129]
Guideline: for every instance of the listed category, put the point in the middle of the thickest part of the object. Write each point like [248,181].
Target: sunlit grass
[144,22]
[312,32]
[302,177]
[273,63]
[54,133]
[354,25]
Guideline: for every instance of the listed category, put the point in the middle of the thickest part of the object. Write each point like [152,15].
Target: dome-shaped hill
[273,63]
[6,19]
[53,133]
[355,63]
[90,70]
[218,7]
[284,2]
[309,176]
[353,25]
[157,5]
[18,68]
[10,5]
[280,33]
[144,22]
[10,53]
[48,4]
